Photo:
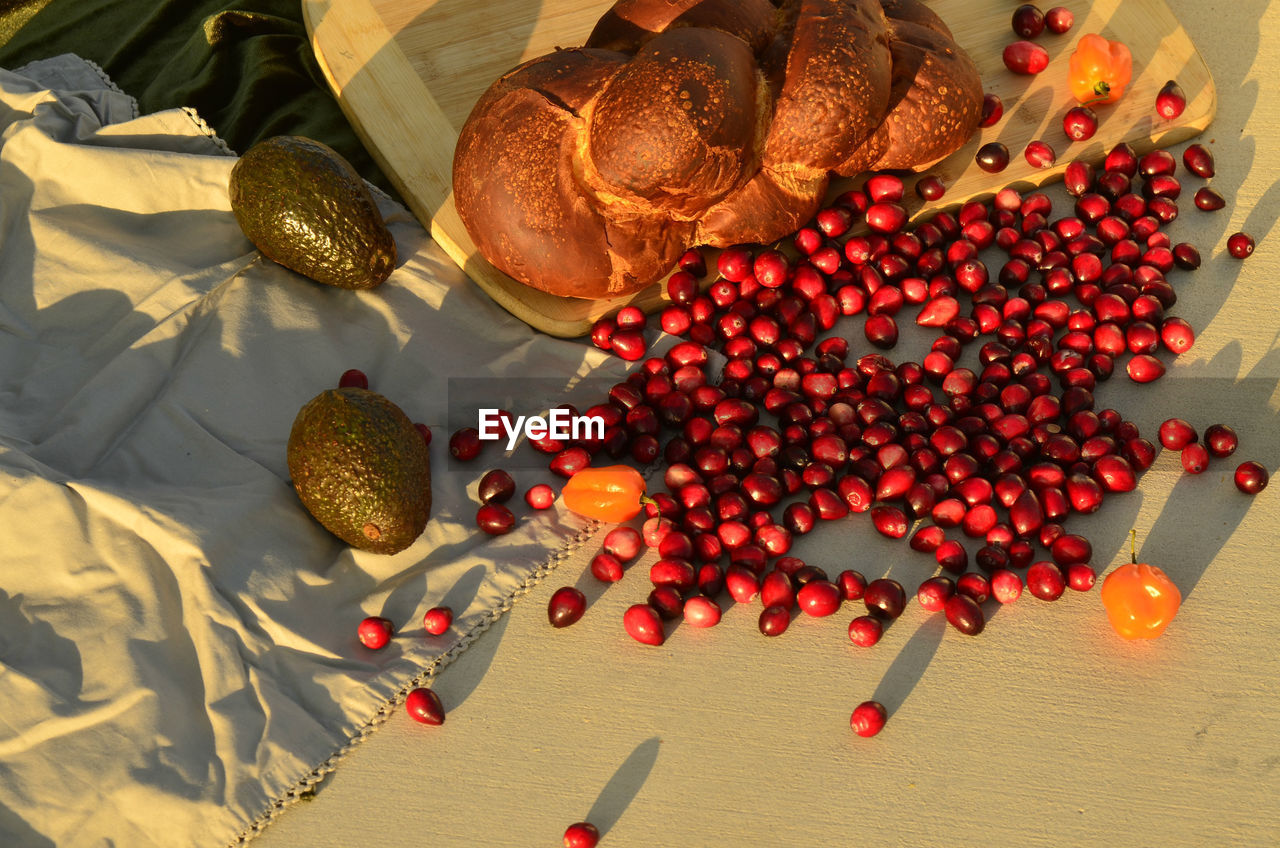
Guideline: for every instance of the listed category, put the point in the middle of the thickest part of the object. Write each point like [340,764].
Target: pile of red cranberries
[978,453]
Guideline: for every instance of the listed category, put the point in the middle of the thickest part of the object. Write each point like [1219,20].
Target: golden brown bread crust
[587,172]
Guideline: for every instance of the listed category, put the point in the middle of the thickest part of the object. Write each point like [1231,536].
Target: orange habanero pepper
[614,493]
[1140,599]
[1099,69]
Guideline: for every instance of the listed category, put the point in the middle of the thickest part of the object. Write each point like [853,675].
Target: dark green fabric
[246,67]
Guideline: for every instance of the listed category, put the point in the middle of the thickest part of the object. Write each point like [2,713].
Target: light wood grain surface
[1043,731]
[407,73]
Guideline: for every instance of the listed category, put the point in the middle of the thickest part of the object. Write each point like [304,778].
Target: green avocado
[361,468]
[305,207]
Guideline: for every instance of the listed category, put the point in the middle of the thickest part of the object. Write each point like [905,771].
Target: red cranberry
[1025,57]
[566,606]
[1198,160]
[1039,154]
[1195,458]
[1081,576]
[992,157]
[868,718]
[742,583]
[1170,100]
[934,593]
[423,705]
[606,568]
[1059,19]
[1070,548]
[1208,200]
[1251,477]
[642,623]
[375,632]
[885,597]
[965,615]
[852,585]
[464,445]
[1144,368]
[1221,440]
[425,431]
[701,611]
[975,586]
[437,620]
[1028,20]
[930,188]
[1080,123]
[496,485]
[819,598]
[581,835]
[1046,581]
[353,378]
[774,620]
[540,496]
[865,631]
[623,543]
[628,344]
[1006,586]
[1240,245]
[1177,433]
[495,519]
[992,110]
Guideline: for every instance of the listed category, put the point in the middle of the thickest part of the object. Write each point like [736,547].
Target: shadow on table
[623,787]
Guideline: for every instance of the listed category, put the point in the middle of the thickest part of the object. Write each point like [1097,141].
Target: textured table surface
[1044,730]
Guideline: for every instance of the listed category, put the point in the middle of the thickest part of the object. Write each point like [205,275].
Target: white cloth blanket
[178,654]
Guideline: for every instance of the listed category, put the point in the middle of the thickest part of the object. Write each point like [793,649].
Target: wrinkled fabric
[177,635]
[246,66]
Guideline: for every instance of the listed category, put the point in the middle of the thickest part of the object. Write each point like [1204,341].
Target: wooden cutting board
[407,72]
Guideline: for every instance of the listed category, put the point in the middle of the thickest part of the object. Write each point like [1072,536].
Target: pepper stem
[1133,546]
[1102,88]
[645,500]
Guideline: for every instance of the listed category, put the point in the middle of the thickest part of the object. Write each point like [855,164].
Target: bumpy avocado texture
[305,207]
[361,469]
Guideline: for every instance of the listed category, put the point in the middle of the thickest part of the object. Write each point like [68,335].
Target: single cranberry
[1006,585]
[1198,160]
[965,615]
[1221,440]
[975,586]
[1240,245]
[1069,548]
[1025,57]
[865,631]
[606,568]
[540,496]
[628,344]
[1208,200]
[852,585]
[375,632]
[437,620]
[885,597]
[425,431]
[992,157]
[1144,368]
[496,485]
[1195,458]
[774,620]
[1028,20]
[992,110]
[581,835]
[819,598]
[495,519]
[353,378]
[643,624]
[934,593]
[1177,433]
[868,718]
[701,611]
[930,188]
[464,444]
[1251,477]
[423,705]
[1039,154]
[1170,100]
[1081,576]
[623,543]
[742,583]
[1059,19]
[566,606]
[1080,123]
[1046,581]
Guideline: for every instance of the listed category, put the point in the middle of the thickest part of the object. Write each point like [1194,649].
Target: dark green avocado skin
[361,468]
[305,207]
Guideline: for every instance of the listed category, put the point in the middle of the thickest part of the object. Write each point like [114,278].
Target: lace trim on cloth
[304,789]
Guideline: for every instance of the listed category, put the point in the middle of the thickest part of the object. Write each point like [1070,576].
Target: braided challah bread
[587,172]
